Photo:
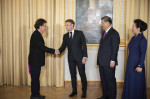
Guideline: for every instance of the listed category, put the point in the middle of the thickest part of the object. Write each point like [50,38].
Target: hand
[57,51]
[112,64]
[83,60]
[138,69]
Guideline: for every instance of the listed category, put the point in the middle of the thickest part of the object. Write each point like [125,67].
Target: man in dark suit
[37,57]
[107,58]
[77,54]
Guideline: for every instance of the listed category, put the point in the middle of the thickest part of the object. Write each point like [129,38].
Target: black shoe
[38,97]
[32,97]
[83,95]
[42,97]
[73,94]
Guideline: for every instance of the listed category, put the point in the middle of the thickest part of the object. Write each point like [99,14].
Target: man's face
[43,28]
[69,26]
[105,25]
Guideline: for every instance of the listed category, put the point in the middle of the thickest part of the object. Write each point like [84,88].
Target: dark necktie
[70,35]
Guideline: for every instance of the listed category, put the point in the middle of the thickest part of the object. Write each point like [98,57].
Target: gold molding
[93,80]
[92,45]
[92,83]
[97,45]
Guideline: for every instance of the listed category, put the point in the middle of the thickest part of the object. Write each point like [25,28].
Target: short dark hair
[107,19]
[39,22]
[140,24]
[71,21]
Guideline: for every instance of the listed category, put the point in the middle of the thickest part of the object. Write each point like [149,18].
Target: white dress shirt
[72,33]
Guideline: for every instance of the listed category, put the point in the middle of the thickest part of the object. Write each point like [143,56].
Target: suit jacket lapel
[74,34]
[67,35]
[107,35]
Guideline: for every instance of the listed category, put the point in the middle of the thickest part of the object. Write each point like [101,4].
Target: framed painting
[88,17]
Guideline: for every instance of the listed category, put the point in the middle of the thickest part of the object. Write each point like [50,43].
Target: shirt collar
[108,29]
[72,31]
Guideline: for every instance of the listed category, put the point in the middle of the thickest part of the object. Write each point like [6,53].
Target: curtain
[148,50]
[17,18]
[14,42]
[1,43]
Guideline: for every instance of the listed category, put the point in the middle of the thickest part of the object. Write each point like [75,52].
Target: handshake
[57,52]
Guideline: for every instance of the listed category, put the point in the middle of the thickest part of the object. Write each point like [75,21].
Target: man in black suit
[77,54]
[107,58]
[37,57]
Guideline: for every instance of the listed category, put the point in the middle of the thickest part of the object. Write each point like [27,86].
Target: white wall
[91,68]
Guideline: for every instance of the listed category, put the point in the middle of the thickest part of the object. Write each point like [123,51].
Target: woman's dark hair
[140,24]
[71,21]
[107,19]
[39,22]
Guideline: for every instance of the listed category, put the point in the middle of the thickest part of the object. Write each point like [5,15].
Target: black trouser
[81,68]
[108,82]
[35,82]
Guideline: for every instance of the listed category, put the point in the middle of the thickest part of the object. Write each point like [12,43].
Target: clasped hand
[57,52]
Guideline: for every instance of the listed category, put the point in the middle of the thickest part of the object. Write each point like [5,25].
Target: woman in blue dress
[134,84]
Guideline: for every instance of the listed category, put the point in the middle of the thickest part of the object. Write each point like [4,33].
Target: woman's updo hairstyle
[140,24]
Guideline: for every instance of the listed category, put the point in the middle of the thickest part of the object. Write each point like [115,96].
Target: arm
[63,46]
[41,45]
[83,41]
[143,47]
[115,45]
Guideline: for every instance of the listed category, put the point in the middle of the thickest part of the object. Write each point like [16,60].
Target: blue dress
[134,84]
